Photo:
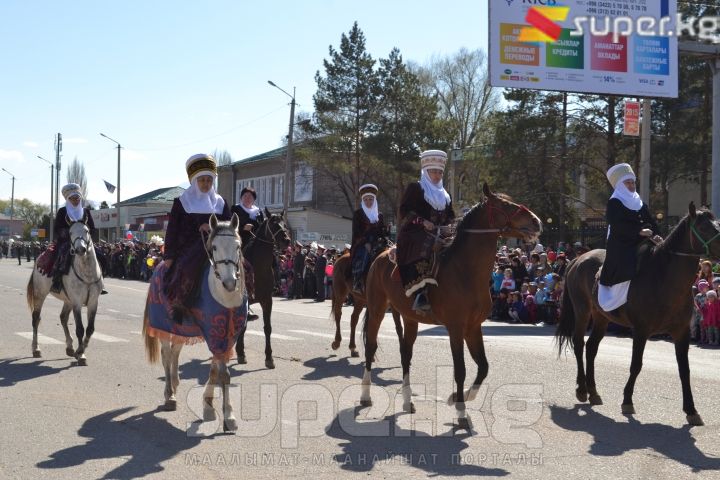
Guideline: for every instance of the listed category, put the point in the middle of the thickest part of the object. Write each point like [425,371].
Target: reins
[214,263]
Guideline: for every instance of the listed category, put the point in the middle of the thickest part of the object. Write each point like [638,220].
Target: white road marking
[42,339]
[107,338]
[132,315]
[274,335]
[136,332]
[111,310]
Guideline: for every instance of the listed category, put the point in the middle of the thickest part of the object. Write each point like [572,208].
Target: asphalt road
[64,421]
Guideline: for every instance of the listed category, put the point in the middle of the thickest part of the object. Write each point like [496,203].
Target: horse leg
[639,341]
[208,410]
[581,392]
[91,312]
[64,317]
[682,345]
[337,316]
[240,346]
[36,309]
[357,308]
[398,326]
[229,421]
[80,333]
[476,346]
[267,328]
[371,329]
[406,352]
[596,336]
[458,398]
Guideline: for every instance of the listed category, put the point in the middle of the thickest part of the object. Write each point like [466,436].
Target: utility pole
[117,204]
[12,196]
[288,159]
[58,149]
[52,211]
[645,152]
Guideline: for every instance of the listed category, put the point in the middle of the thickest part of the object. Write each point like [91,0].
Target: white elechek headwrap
[435,194]
[74,213]
[195,201]
[617,174]
[372,212]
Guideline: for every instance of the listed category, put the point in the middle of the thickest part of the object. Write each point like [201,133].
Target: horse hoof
[242,360]
[409,407]
[695,420]
[170,405]
[354,354]
[628,409]
[82,362]
[70,352]
[335,345]
[595,399]
[37,354]
[366,403]
[209,414]
[581,396]
[463,424]
[230,425]
[270,363]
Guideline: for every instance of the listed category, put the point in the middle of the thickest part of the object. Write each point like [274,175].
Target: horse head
[510,218]
[704,232]
[223,249]
[80,239]
[275,230]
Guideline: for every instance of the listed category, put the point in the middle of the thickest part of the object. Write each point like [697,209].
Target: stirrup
[421,303]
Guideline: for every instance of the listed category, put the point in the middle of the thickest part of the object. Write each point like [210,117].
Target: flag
[110,187]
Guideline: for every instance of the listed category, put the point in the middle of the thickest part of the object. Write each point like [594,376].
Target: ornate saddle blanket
[46,260]
[217,325]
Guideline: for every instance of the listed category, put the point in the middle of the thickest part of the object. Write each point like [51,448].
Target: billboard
[620,47]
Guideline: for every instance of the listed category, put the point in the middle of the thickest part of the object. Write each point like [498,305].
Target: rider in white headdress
[368,229]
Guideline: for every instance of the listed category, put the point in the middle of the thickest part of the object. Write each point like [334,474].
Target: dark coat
[244,220]
[412,236]
[62,224]
[183,229]
[363,231]
[622,244]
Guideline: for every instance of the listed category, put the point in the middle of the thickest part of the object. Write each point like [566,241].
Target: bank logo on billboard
[544,28]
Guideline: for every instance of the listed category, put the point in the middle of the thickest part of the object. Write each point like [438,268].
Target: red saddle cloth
[46,260]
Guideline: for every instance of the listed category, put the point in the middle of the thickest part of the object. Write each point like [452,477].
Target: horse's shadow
[435,455]
[12,371]
[144,439]
[613,438]
[328,367]
[199,370]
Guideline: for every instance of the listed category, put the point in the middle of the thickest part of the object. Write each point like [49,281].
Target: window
[269,190]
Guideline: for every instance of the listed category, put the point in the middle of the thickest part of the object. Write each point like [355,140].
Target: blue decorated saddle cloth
[208,321]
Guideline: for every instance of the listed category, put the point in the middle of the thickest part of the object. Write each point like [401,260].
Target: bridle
[694,233]
[215,263]
[491,219]
[268,233]
[88,242]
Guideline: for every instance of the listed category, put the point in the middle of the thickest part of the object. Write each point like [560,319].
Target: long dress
[414,243]
[364,232]
[184,245]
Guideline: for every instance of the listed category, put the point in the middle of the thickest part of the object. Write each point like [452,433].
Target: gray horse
[81,287]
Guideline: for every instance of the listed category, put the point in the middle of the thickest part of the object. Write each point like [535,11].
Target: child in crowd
[697,332]
[710,317]
[497,279]
[540,299]
[517,311]
[508,282]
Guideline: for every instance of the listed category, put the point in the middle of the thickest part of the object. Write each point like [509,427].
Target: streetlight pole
[52,210]
[58,149]
[288,159]
[12,197]
[117,204]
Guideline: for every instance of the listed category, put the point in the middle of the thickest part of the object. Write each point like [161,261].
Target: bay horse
[216,317]
[342,287]
[461,301]
[673,265]
[81,287]
[272,235]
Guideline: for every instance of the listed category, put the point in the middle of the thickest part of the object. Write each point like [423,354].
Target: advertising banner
[621,47]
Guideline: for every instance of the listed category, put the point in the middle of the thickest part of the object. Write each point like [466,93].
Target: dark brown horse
[461,301]
[271,235]
[649,310]
[342,287]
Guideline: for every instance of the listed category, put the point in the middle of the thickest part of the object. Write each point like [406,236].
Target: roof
[167,194]
[278,152]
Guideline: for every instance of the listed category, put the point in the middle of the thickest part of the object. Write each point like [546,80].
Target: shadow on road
[334,366]
[14,370]
[613,438]
[433,455]
[143,439]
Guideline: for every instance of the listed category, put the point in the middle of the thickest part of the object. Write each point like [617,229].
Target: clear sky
[171,78]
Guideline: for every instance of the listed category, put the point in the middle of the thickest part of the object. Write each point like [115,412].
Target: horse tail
[566,326]
[30,292]
[152,345]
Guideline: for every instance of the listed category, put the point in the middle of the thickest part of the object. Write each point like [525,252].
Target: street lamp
[12,197]
[117,204]
[288,159]
[52,183]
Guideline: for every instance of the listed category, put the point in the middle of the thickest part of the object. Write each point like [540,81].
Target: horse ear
[234,221]
[486,189]
[85,218]
[282,215]
[267,213]
[691,210]
[213,221]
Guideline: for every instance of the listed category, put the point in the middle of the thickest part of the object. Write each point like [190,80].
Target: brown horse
[461,301]
[342,287]
[672,265]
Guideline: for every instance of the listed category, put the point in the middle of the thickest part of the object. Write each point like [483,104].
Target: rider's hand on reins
[428,225]
[248,227]
[646,232]
[205,227]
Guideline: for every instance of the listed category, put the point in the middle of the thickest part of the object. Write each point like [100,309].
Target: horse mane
[674,236]
[459,226]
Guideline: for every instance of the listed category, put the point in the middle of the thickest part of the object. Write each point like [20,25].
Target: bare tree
[222,157]
[76,174]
